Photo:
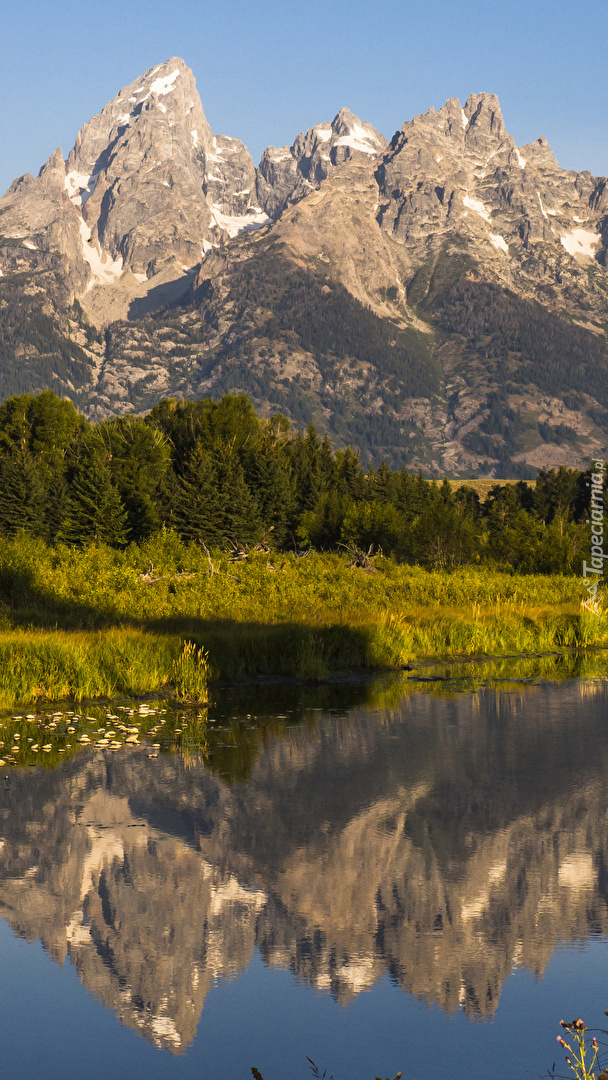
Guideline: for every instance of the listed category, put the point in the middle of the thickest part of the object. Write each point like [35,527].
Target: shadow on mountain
[163,295]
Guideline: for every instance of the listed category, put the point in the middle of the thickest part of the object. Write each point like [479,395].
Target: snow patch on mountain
[478,207]
[216,153]
[80,186]
[104,269]
[499,242]
[579,242]
[358,139]
[163,85]
[233,224]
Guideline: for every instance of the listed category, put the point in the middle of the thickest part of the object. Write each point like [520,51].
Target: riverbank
[168,616]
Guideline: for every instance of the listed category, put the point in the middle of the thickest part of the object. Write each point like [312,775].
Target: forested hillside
[219,475]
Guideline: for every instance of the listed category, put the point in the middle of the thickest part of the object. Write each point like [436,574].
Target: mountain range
[439,301]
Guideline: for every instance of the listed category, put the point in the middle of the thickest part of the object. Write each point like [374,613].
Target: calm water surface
[378,877]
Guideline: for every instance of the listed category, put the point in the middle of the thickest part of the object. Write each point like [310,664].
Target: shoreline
[418,670]
[78,624]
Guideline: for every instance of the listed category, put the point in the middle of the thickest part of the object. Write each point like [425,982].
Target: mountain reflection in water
[444,841]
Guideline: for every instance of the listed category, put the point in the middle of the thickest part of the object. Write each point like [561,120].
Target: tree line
[218,474]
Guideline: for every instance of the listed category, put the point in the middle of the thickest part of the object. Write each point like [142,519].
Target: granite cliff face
[439,301]
[289,172]
[145,193]
[456,177]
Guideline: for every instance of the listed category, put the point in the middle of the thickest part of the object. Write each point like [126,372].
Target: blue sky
[267,69]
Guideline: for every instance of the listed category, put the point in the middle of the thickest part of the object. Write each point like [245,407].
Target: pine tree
[22,495]
[269,478]
[94,510]
[138,457]
[350,478]
[197,512]
[213,502]
[382,486]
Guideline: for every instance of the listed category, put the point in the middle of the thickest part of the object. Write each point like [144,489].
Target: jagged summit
[152,208]
[147,189]
[456,174]
[287,172]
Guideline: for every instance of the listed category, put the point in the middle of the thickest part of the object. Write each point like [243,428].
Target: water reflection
[444,840]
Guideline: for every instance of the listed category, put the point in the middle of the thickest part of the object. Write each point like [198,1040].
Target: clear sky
[268,69]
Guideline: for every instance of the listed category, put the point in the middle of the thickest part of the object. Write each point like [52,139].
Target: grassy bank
[99,621]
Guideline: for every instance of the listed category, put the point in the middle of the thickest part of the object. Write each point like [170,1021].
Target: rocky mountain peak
[359,135]
[459,170]
[147,189]
[130,222]
[287,172]
[146,148]
[485,131]
[52,173]
[539,154]
[163,99]
[484,113]
[476,127]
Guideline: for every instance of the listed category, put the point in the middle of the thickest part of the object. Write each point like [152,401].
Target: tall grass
[52,665]
[97,621]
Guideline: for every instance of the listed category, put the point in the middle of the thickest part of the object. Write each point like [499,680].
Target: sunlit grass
[100,622]
[53,665]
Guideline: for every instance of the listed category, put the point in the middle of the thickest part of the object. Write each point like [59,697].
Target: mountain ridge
[142,238]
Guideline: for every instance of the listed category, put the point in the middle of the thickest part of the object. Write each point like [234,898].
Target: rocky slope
[440,301]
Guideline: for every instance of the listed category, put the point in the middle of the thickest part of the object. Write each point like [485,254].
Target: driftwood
[301,554]
[151,578]
[362,559]
[212,569]
[240,552]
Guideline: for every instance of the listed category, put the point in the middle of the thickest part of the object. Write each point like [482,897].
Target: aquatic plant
[318,1075]
[582,1057]
[44,738]
[190,673]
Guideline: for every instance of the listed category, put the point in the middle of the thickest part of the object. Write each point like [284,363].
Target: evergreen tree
[349,476]
[22,495]
[94,509]
[213,502]
[197,508]
[138,457]
[381,484]
[376,524]
[269,476]
[313,468]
